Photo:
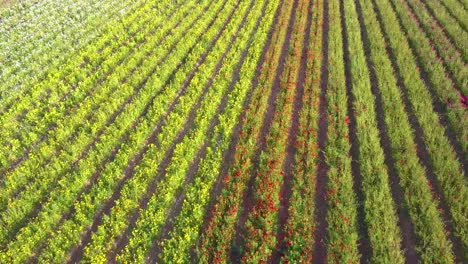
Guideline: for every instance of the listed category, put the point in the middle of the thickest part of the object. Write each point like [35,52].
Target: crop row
[297,222]
[435,75]
[179,172]
[28,125]
[379,206]
[100,90]
[190,218]
[432,240]
[116,133]
[449,178]
[344,243]
[225,211]
[456,9]
[168,148]
[67,158]
[49,44]
[453,55]
[17,125]
[135,151]
[261,226]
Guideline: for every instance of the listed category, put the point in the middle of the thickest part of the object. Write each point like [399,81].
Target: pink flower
[463,100]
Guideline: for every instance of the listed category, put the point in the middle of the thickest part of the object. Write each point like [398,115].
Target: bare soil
[320,249]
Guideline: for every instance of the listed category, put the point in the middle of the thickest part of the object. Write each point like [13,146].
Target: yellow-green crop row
[50,216]
[15,196]
[93,69]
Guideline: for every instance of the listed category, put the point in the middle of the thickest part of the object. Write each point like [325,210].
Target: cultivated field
[238,131]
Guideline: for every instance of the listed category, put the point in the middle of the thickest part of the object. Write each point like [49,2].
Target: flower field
[234,131]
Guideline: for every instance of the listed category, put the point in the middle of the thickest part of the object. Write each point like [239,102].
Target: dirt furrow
[320,247]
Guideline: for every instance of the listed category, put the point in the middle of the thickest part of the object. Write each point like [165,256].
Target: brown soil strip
[364,245]
[77,252]
[438,106]
[422,151]
[248,197]
[289,161]
[228,155]
[406,226]
[320,249]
